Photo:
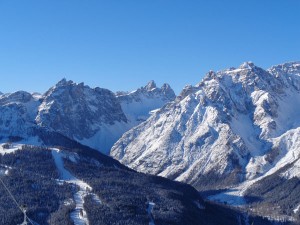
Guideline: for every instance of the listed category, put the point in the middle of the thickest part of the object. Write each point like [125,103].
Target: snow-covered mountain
[137,104]
[92,116]
[95,117]
[236,124]
[18,111]
[238,128]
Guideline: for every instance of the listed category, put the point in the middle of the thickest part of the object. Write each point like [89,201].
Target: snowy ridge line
[79,215]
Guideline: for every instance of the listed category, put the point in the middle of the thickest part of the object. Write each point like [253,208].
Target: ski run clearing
[149,210]
[78,216]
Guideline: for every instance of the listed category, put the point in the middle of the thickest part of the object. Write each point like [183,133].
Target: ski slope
[79,215]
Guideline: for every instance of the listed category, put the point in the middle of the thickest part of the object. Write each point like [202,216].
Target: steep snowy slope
[225,127]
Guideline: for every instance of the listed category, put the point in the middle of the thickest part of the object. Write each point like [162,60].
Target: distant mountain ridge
[137,104]
[92,116]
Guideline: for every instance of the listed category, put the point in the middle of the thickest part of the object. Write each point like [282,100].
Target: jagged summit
[65,82]
[137,105]
[247,65]
[69,83]
[150,90]
[151,85]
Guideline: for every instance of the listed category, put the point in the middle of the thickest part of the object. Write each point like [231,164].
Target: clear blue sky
[121,44]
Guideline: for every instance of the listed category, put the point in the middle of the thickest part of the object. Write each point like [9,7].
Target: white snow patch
[45,106]
[96,198]
[297,209]
[137,111]
[199,206]
[68,201]
[3,172]
[8,148]
[107,135]
[243,126]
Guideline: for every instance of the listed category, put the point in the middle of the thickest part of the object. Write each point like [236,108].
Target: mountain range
[232,131]
[234,137]
[95,117]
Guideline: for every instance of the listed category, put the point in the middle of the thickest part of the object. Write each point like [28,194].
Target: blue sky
[122,44]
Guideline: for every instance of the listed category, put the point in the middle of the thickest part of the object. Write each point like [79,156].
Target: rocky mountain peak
[80,112]
[166,86]
[168,92]
[64,82]
[150,86]
[247,65]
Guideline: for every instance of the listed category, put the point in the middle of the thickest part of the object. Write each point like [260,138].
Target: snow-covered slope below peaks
[137,105]
[222,131]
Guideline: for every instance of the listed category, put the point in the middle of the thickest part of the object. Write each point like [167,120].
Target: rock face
[235,125]
[75,109]
[82,113]
[95,117]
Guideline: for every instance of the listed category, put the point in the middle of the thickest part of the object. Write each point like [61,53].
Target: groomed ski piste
[79,215]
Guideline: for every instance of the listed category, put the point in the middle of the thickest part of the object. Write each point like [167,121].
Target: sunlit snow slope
[235,125]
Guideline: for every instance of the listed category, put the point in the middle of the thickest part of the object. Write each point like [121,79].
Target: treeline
[125,196]
[276,196]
